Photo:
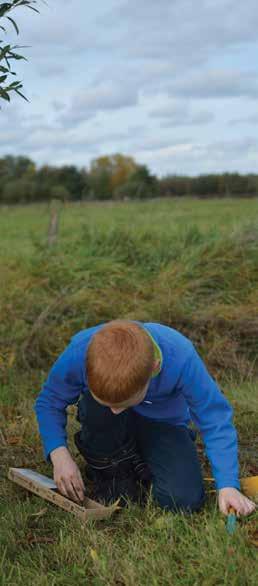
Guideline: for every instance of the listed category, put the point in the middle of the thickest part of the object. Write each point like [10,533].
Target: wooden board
[45,487]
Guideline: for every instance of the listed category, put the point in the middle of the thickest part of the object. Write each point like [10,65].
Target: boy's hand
[67,475]
[231,497]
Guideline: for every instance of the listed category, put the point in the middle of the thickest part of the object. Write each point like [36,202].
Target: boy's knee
[186,502]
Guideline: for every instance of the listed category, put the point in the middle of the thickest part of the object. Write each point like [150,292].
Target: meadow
[191,264]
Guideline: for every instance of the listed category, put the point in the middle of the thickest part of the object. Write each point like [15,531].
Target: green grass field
[190,264]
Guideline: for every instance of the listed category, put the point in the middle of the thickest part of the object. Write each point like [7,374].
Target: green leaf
[5,49]
[3,78]
[20,94]
[16,56]
[3,10]
[35,10]
[14,24]
[4,95]
[14,84]
[20,46]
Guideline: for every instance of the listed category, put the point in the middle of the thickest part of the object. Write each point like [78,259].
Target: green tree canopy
[112,177]
[108,173]
[139,185]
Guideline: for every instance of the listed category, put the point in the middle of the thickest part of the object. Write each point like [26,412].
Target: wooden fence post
[55,210]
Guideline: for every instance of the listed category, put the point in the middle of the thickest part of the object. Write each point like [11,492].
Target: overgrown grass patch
[201,281]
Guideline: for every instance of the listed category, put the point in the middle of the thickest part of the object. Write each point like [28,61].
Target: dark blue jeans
[168,450]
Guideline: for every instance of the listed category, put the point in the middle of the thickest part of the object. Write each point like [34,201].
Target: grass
[137,548]
[156,262]
[44,546]
[187,263]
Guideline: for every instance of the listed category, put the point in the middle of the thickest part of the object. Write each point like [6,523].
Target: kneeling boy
[140,385]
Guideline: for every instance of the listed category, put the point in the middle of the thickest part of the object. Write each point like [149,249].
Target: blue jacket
[182,391]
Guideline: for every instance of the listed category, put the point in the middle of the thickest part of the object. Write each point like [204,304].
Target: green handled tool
[249,487]
[231,521]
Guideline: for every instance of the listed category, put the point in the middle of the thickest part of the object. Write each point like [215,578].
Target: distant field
[19,224]
[192,264]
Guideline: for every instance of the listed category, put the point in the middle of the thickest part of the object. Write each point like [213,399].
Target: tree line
[114,177]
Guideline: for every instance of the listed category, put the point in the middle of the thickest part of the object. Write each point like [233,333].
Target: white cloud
[246,120]
[217,83]
[195,158]
[107,96]
[178,113]
[156,80]
[185,30]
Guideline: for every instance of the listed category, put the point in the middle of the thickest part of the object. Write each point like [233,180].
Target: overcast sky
[173,83]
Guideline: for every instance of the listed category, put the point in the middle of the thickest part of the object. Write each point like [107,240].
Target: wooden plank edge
[84,514]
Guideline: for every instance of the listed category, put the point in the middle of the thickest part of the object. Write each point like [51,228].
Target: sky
[172,83]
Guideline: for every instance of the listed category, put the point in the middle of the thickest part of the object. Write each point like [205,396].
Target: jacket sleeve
[62,388]
[212,414]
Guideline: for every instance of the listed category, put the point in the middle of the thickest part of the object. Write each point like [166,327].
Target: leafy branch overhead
[8,52]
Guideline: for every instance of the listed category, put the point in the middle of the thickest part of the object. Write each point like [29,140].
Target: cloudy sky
[173,83]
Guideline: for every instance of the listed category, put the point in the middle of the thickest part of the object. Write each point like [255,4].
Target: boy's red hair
[120,361]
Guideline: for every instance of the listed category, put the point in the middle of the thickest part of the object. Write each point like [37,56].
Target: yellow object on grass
[249,485]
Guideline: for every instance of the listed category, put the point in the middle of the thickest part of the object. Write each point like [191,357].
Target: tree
[74,180]
[60,193]
[108,173]
[14,169]
[8,53]
[100,184]
[19,191]
[39,183]
[139,185]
